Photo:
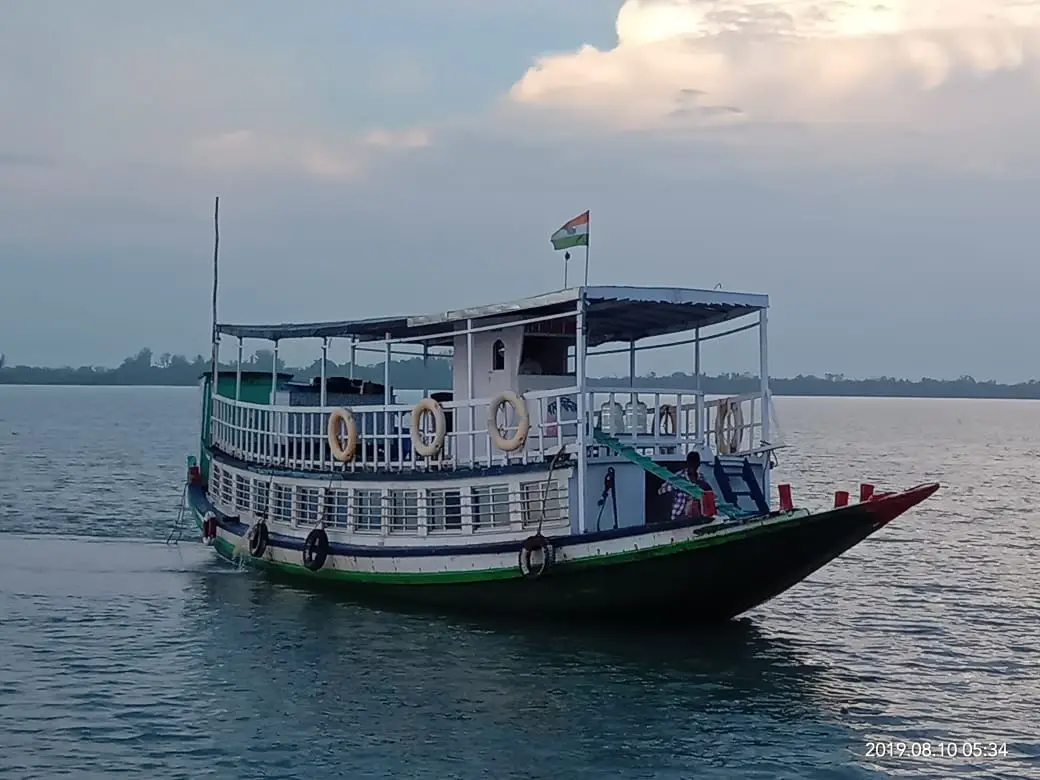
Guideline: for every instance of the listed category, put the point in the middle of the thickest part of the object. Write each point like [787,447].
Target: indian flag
[574,233]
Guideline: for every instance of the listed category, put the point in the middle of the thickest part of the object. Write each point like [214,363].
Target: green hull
[705,581]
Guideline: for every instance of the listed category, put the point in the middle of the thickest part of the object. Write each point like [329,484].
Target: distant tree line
[168,369]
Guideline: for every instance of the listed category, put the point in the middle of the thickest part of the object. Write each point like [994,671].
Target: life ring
[517,441]
[339,452]
[667,414]
[209,528]
[531,545]
[316,549]
[729,412]
[440,428]
[258,538]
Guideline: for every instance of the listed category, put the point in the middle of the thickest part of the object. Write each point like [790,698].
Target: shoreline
[945,390]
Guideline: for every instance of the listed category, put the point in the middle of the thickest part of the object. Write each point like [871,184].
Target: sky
[871,166]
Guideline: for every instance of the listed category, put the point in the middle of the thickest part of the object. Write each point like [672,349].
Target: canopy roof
[612,314]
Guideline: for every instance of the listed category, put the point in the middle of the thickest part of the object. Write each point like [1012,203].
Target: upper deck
[536,348]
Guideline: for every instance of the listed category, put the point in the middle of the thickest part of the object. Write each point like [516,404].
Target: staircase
[726,507]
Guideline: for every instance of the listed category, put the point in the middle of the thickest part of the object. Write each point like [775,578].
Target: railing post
[579,370]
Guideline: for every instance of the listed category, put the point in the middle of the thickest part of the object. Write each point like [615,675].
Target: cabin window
[498,356]
[241,493]
[444,509]
[490,507]
[227,497]
[368,505]
[307,505]
[544,355]
[281,503]
[215,473]
[337,505]
[555,502]
[261,496]
[404,511]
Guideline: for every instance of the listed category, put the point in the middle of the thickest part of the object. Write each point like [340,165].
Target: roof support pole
[580,352]
[701,428]
[425,369]
[323,393]
[763,355]
[469,393]
[274,372]
[238,372]
[388,356]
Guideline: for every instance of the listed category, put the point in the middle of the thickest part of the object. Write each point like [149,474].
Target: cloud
[293,155]
[696,63]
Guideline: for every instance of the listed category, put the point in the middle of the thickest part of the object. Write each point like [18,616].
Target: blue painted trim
[324,477]
[201,503]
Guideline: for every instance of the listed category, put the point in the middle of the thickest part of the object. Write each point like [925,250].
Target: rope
[557,458]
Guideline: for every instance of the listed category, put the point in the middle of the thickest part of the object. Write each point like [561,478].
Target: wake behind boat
[525,488]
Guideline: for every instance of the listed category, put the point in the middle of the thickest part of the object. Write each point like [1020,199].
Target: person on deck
[680,500]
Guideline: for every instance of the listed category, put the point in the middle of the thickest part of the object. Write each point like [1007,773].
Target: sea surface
[122,656]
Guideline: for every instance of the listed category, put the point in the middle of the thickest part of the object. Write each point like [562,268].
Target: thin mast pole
[215,336]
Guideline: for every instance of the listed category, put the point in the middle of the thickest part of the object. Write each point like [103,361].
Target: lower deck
[511,501]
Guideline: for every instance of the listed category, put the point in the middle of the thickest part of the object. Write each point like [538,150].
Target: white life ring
[440,427]
[729,418]
[339,452]
[517,441]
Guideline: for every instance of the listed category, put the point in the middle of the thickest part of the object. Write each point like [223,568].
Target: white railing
[664,422]
[512,505]
[297,436]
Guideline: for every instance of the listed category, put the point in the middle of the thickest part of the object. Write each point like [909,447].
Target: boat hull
[707,578]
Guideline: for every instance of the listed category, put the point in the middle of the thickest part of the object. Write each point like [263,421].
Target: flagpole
[566,262]
[588,239]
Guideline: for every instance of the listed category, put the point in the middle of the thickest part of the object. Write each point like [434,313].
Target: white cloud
[697,63]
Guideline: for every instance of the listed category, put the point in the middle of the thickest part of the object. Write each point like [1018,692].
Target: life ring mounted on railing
[729,426]
[522,428]
[337,418]
[440,427]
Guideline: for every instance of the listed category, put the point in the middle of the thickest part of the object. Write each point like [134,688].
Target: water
[121,655]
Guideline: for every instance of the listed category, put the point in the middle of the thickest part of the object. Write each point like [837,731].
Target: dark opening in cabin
[498,356]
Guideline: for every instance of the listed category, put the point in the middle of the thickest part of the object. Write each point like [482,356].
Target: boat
[527,487]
